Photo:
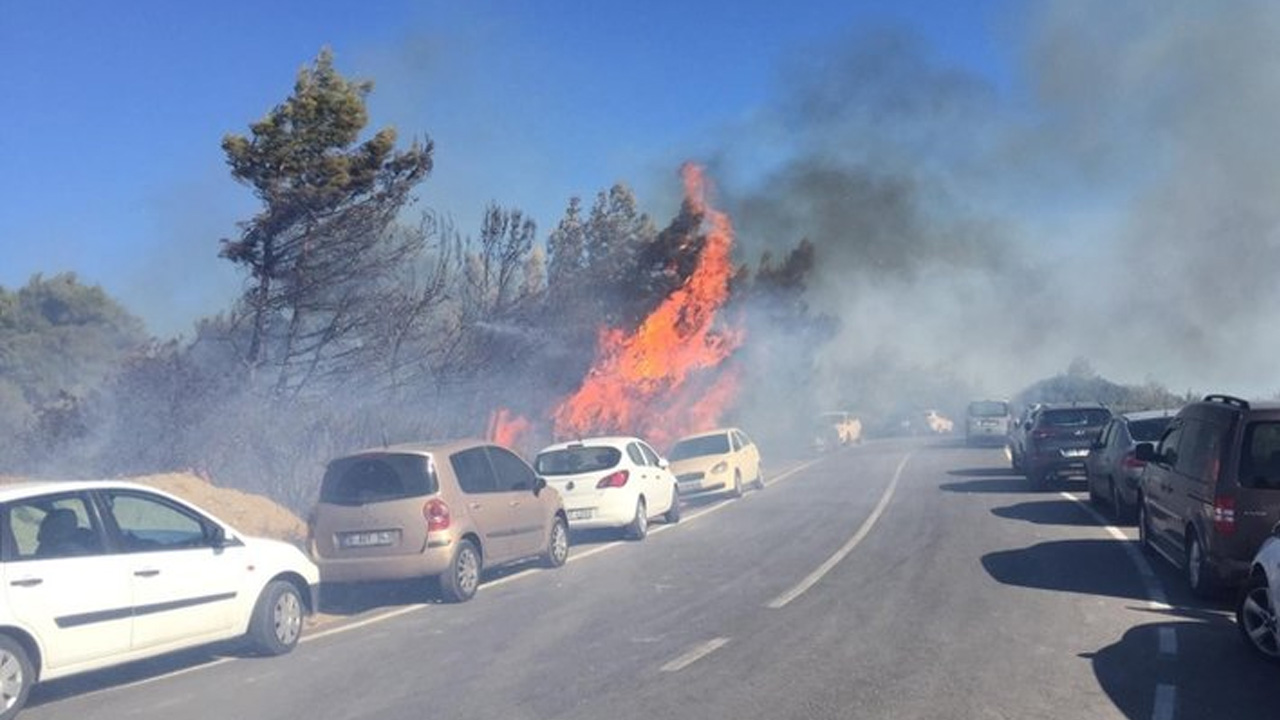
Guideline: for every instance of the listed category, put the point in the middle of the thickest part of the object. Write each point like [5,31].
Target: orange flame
[507,428]
[665,379]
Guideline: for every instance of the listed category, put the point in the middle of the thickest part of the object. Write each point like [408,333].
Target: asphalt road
[897,579]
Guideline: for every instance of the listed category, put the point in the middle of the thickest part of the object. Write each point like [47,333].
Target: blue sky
[113,112]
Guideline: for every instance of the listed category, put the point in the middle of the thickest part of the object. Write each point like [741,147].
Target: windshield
[1073,417]
[377,478]
[574,460]
[700,446]
[988,408]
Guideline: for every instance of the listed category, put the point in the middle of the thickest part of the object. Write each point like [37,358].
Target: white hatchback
[100,573]
[611,482]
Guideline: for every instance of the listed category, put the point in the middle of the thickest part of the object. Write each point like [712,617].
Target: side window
[747,441]
[649,454]
[1199,450]
[733,439]
[49,527]
[1168,447]
[148,523]
[1260,460]
[1105,439]
[636,455]
[513,474]
[474,473]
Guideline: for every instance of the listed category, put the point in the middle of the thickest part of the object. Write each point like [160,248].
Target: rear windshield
[988,408]
[697,447]
[1260,461]
[1148,430]
[377,478]
[1074,417]
[574,460]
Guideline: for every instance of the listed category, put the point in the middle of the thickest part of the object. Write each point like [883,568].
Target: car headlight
[719,467]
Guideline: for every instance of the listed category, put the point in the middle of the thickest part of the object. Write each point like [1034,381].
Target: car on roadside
[1256,604]
[1058,441]
[1018,435]
[617,483]
[987,422]
[1211,489]
[444,510]
[100,573]
[1112,468]
[722,460]
[836,428]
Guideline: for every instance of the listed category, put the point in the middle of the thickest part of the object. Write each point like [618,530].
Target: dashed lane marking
[816,576]
[695,654]
[1166,702]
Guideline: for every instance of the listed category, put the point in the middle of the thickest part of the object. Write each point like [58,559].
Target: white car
[723,460]
[611,482]
[96,574]
[1256,608]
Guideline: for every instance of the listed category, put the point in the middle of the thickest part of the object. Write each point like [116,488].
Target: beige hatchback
[445,510]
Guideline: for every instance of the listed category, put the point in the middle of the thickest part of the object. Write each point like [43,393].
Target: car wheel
[460,581]
[737,484]
[1144,528]
[1256,618]
[639,527]
[1094,498]
[1122,512]
[16,677]
[1198,577]
[277,619]
[672,516]
[557,544]
[759,481]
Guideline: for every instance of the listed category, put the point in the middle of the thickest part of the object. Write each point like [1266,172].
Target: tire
[459,583]
[557,553]
[1144,529]
[1256,620]
[16,677]
[1122,513]
[672,516]
[1199,579]
[1095,499]
[277,619]
[639,527]
[737,484]
[758,483]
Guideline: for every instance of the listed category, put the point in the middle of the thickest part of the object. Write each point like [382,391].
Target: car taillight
[617,479]
[1131,461]
[1224,515]
[436,513]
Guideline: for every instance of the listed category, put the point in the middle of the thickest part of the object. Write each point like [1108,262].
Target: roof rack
[1228,400]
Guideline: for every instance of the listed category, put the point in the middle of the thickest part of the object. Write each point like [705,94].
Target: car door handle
[27,582]
[514,503]
[474,506]
[146,573]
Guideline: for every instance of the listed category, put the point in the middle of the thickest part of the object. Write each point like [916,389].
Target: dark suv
[1211,489]
[1057,440]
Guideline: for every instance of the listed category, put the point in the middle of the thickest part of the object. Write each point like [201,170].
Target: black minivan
[1211,489]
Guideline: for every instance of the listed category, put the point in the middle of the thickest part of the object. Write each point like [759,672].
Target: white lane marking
[816,576]
[1165,703]
[1151,583]
[1168,641]
[695,654]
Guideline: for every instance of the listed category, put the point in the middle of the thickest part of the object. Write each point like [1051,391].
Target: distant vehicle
[1211,489]
[611,482]
[1257,604]
[987,422]
[723,460]
[1112,468]
[97,574]
[444,510]
[836,428]
[1059,440]
[938,423]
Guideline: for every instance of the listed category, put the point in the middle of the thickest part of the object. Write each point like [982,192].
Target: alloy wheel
[1258,621]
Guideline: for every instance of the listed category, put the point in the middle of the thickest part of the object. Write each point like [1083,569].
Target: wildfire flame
[507,428]
[666,378]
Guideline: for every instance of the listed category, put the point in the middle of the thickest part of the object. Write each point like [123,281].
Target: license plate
[582,514]
[1076,452]
[369,539]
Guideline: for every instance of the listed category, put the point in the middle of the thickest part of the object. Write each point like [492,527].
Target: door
[1258,500]
[1157,484]
[185,590]
[655,496]
[485,505]
[60,583]
[1100,460]
[1192,487]
[665,482]
[526,514]
[750,457]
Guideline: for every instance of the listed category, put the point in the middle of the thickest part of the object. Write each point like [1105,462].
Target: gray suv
[1211,489]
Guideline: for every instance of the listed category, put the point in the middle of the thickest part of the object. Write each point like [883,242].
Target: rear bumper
[605,513]
[395,567]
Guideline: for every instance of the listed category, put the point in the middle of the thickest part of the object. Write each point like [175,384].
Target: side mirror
[664,464]
[1146,452]
[1098,445]
[1026,425]
[217,537]
[539,483]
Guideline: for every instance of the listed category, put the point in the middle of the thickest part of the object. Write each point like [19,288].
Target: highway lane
[950,591]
